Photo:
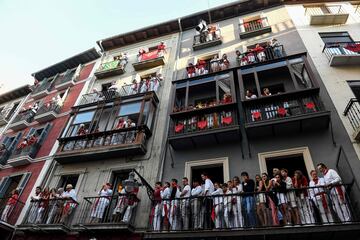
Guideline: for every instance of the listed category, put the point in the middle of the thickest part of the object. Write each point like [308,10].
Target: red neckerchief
[316,180]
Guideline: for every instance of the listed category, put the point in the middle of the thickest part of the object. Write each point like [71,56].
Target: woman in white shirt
[101,203]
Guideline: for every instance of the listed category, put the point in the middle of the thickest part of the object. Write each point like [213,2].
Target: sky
[38,33]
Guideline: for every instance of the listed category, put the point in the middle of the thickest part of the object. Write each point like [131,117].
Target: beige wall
[334,78]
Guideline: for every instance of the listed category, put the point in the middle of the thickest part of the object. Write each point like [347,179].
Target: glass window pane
[130,108]
[84,117]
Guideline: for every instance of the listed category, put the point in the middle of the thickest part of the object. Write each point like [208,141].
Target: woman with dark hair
[261,200]
[101,203]
[279,187]
[300,182]
[271,199]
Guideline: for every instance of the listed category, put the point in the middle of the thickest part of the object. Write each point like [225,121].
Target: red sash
[179,127]
[202,124]
[340,192]
[282,112]
[256,115]
[213,214]
[310,106]
[227,120]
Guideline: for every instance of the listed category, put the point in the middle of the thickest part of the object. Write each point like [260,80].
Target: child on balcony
[10,205]
[190,69]
[225,63]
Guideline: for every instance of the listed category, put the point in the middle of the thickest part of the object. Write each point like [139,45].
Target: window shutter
[15,142]
[24,180]
[6,141]
[30,132]
[44,133]
[4,184]
[77,72]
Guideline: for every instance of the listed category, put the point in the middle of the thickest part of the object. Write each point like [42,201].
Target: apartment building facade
[155,113]
[33,131]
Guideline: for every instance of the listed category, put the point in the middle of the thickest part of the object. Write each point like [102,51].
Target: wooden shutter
[24,180]
[4,184]
[44,133]
[30,132]
[14,142]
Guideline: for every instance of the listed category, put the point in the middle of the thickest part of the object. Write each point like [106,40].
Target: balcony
[110,69]
[202,41]
[42,89]
[4,117]
[47,112]
[285,113]
[94,216]
[149,60]
[326,14]
[352,112]
[200,220]
[254,28]
[65,81]
[24,155]
[53,218]
[340,54]
[205,112]
[107,144]
[22,120]
[9,215]
[4,156]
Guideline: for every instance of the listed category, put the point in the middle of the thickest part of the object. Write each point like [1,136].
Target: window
[129,111]
[68,179]
[13,109]
[355,87]
[335,37]
[118,178]
[7,184]
[81,118]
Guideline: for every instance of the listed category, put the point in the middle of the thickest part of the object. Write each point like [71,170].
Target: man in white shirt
[208,203]
[185,204]
[337,192]
[70,202]
[218,205]
[196,192]
[165,196]
[318,195]
[174,205]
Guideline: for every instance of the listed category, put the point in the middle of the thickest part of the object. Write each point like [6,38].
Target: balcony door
[217,169]
[291,159]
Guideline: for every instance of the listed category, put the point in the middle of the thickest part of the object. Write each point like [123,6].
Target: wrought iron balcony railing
[285,108]
[118,210]
[326,14]
[10,209]
[111,68]
[202,121]
[254,28]
[320,205]
[342,53]
[49,107]
[352,112]
[126,90]
[149,60]
[50,212]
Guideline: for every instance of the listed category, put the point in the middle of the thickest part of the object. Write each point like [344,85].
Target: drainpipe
[166,143]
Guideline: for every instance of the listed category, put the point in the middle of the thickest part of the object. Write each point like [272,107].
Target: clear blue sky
[38,33]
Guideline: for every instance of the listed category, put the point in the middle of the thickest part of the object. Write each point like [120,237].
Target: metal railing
[341,48]
[27,115]
[256,56]
[207,38]
[274,207]
[10,209]
[50,211]
[120,208]
[126,90]
[324,10]
[65,78]
[150,55]
[48,107]
[211,66]
[112,65]
[200,122]
[117,137]
[280,109]
[30,150]
[42,87]
[254,25]
[352,112]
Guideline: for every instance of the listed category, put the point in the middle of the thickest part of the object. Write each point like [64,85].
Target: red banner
[149,55]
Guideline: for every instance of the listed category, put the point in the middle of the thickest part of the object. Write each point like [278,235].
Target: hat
[69,186]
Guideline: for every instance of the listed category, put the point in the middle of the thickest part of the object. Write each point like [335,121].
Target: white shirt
[165,194]
[288,182]
[314,191]
[71,194]
[237,189]
[227,199]
[196,191]
[209,187]
[188,191]
[219,199]
[105,193]
[332,177]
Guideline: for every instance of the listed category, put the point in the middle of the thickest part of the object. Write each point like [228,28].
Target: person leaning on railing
[34,205]
[337,192]
[101,203]
[291,197]
[10,205]
[156,210]
[70,203]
